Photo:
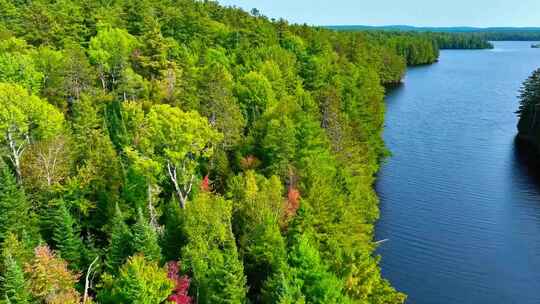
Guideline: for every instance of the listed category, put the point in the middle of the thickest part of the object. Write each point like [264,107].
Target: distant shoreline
[456,29]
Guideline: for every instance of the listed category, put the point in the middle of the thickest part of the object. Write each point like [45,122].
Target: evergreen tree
[159,95]
[120,247]
[13,286]
[211,254]
[139,281]
[257,214]
[173,235]
[528,125]
[67,238]
[15,214]
[145,239]
[319,285]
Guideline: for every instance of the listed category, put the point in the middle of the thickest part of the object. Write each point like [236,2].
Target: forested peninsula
[528,125]
[179,151]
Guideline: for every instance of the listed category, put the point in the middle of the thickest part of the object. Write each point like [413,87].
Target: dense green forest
[528,125]
[441,40]
[459,41]
[475,33]
[509,35]
[180,151]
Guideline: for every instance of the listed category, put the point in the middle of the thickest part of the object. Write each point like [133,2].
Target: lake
[460,202]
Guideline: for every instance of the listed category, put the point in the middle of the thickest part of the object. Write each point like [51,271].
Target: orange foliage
[50,280]
[293,202]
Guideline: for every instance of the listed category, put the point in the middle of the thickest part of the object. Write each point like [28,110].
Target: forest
[442,40]
[179,151]
[509,35]
[475,36]
[528,126]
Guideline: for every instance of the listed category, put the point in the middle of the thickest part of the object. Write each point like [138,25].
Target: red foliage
[180,291]
[293,202]
[205,184]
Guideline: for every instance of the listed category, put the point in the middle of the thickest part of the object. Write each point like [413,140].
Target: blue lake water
[460,203]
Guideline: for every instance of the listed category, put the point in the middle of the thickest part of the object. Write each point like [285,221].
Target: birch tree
[110,51]
[179,140]
[25,118]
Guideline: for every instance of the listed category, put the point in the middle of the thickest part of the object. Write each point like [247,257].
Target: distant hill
[457,29]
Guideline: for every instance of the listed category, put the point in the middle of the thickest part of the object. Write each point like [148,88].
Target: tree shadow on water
[527,160]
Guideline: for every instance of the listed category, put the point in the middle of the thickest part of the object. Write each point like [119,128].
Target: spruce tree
[319,284]
[13,286]
[145,239]
[528,106]
[173,237]
[67,238]
[257,212]
[138,281]
[120,247]
[14,206]
[211,254]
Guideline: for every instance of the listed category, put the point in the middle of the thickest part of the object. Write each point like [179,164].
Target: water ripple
[459,202]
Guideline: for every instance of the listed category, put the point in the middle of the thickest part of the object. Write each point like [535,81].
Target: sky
[478,13]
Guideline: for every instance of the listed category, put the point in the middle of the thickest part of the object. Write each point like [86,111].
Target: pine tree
[319,285]
[528,106]
[173,235]
[67,238]
[211,253]
[258,203]
[139,281]
[145,239]
[12,283]
[120,247]
[14,206]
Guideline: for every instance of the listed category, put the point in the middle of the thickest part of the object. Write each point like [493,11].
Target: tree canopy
[238,150]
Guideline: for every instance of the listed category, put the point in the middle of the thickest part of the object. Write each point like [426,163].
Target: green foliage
[22,113]
[528,107]
[142,116]
[179,140]
[24,117]
[257,215]
[66,236]
[110,50]
[139,282]
[145,239]
[16,216]
[210,253]
[13,287]
[218,103]
[20,69]
[173,235]
[120,247]
[318,284]
[255,95]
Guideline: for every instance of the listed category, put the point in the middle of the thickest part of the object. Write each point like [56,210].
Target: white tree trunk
[16,153]
[87,281]
[151,189]
[182,191]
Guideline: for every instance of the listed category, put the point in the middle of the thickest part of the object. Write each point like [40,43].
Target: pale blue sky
[480,13]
